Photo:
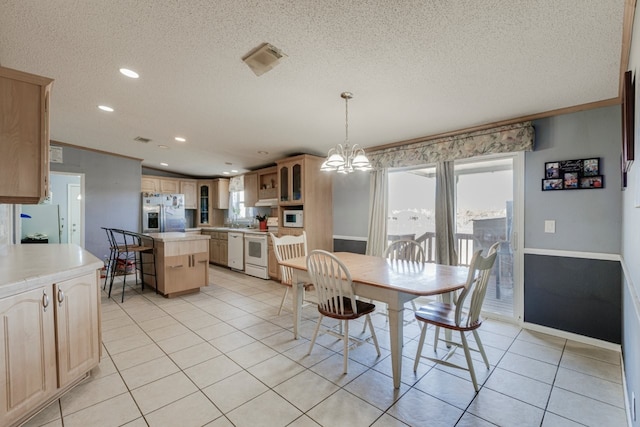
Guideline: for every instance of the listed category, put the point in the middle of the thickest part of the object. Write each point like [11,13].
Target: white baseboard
[571,336]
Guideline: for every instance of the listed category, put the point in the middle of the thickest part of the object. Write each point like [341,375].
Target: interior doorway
[60,217]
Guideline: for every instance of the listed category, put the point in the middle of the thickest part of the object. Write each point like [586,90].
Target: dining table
[393,282]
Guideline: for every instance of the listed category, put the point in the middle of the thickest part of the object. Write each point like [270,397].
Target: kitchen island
[181,262]
[50,306]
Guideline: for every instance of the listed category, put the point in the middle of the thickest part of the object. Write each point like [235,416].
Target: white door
[74,214]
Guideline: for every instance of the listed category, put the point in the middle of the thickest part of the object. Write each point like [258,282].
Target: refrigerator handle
[162,218]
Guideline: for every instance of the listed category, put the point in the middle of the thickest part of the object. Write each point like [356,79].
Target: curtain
[378,202]
[236,183]
[445,214]
[502,139]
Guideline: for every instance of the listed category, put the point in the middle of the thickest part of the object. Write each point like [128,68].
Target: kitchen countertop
[174,236]
[27,267]
[236,230]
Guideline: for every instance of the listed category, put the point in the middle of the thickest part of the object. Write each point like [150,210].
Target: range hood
[267,202]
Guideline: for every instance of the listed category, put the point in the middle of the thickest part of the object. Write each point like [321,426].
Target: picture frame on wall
[570,180]
[552,170]
[590,167]
[552,184]
[592,181]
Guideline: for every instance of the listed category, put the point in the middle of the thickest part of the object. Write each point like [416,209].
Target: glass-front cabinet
[204,203]
[291,180]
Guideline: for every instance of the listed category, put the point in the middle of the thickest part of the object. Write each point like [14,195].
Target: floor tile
[231,341]
[194,410]
[504,410]
[590,386]
[376,389]
[48,415]
[234,391]
[448,388]
[587,365]
[251,354]
[306,390]
[520,387]
[180,342]
[194,355]
[146,373]
[585,410]
[593,352]
[92,391]
[344,409]
[417,408]
[137,356]
[536,351]
[162,392]
[112,412]
[213,370]
[254,412]
[275,370]
[528,367]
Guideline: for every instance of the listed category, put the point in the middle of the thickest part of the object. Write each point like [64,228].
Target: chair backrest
[287,247]
[476,286]
[332,281]
[406,250]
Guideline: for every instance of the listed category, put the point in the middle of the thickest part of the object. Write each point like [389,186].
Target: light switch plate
[549,226]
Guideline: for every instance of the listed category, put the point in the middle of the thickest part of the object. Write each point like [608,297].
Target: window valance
[503,139]
[236,183]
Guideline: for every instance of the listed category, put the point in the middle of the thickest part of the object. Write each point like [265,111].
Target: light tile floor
[223,357]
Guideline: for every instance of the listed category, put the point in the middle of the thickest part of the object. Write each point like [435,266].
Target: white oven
[256,258]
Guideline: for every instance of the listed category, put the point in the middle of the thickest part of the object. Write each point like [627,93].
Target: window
[237,209]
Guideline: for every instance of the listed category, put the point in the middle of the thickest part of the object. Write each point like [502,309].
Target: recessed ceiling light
[164,164]
[164,147]
[180,139]
[105,108]
[263,153]
[225,173]
[129,73]
[234,171]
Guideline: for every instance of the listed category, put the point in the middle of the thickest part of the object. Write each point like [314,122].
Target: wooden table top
[404,276]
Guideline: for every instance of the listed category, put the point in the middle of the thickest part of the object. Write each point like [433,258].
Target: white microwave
[292,219]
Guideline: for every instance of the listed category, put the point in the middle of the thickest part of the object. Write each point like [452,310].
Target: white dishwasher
[236,250]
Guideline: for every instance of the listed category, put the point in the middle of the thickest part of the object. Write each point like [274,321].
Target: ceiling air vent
[263,58]
[141,139]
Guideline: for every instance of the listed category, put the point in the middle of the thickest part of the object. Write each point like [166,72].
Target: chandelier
[345,158]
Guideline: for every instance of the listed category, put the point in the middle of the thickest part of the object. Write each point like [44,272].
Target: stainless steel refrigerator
[163,212]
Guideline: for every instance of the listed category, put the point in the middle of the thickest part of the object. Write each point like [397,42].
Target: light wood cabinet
[220,193]
[204,203]
[268,183]
[150,184]
[189,187]
[24,137]
[181,265]
[250,189]
[218,251]
[303,186]
[273,267]
[170,186]
[60,319]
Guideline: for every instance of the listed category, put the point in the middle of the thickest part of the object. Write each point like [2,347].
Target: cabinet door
[274,268]
[190,191]
[27,352]
[76,307]
[224,252]
[176,268]
[24,126]
[220,192]
[250,189]
[171,186]
[150,185]
[199,271]
[204,203]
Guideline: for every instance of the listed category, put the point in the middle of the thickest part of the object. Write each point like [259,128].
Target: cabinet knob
[60,297]
[45,300]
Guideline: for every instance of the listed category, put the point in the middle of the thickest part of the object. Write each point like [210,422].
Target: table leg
[396,325]
[297,297]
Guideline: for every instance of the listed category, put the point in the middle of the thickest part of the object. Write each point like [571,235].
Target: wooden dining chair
[336,298]
[287,247]
[456,317]
[404,250]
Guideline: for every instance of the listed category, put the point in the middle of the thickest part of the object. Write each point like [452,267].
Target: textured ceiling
[416,68]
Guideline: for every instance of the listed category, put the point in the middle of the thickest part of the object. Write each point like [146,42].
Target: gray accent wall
[112,193]
[351,204]
[586,220]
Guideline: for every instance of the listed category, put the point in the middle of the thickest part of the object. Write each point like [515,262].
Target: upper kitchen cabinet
[291,179]
[169,186]
[220,195]
[189,187]
[267,183]
[204,202]
[24,137]
[150,184]
[251,189]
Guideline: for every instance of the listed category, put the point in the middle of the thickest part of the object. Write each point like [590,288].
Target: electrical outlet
[549,226]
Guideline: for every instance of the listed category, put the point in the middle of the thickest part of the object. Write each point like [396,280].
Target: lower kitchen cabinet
[273,267]
[218,251]
[60,319]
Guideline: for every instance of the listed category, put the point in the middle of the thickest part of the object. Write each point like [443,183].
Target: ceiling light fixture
[164,164]
[225,173]
[164,147]
[180,139]
[344,158]
[129,73]
[105,108]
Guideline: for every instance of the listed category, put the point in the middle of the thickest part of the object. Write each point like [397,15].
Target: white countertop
[174,236]
[26,267]
[236,230]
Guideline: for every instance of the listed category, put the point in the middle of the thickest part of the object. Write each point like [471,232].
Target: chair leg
[345,339]
[435,340]
[284,297]
[481,348]
[423,334]
[467,355]
[373,333]
[315,334]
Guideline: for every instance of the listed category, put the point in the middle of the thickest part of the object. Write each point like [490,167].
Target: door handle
[176,266]
[60,297]
[45,300]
